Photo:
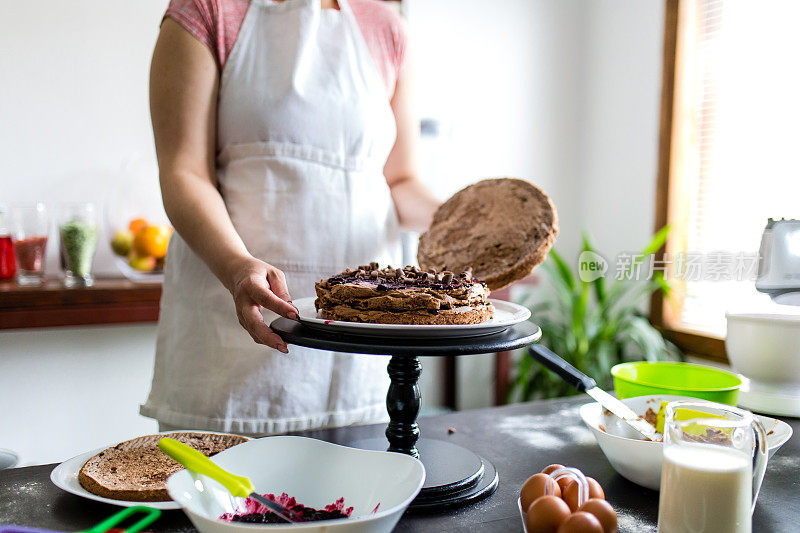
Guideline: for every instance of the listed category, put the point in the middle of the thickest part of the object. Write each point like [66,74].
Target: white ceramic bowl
[640,460]
[316,473]
[765,347]
[8,459]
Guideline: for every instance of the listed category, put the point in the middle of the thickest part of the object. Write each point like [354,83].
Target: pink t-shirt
[216,24]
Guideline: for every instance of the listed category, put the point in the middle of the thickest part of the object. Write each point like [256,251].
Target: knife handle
[565,371]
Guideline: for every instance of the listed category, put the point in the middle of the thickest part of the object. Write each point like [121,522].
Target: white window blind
[736,133]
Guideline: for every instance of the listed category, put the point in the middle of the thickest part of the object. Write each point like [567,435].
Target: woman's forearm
[415,203]
[198,213]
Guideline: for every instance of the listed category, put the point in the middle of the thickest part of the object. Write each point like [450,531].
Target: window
[730,137]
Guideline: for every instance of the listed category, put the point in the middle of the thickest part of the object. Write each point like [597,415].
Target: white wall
[620,122]
[69,390]
[504,78]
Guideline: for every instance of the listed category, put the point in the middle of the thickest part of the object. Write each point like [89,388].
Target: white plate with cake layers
[65,477]
[506,314]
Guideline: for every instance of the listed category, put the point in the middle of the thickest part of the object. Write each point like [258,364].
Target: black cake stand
[453,475]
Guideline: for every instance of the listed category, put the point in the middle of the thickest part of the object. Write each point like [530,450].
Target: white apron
[304,130]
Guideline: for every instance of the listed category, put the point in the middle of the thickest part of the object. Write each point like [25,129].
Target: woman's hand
[255,284]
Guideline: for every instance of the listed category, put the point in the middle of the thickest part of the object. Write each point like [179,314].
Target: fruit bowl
[137,226]
[139,250]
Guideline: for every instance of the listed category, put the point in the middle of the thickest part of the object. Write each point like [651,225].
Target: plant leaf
[592,334]
[659,239]
[564,272]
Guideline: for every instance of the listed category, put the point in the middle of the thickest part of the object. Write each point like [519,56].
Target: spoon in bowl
[236,485]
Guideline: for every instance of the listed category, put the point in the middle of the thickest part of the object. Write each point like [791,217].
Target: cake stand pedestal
[454,474]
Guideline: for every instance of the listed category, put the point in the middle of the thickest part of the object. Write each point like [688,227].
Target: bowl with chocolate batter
[639,460]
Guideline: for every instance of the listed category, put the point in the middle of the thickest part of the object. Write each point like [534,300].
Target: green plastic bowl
[642,378]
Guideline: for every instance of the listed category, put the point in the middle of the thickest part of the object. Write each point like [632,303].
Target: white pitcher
[710,486]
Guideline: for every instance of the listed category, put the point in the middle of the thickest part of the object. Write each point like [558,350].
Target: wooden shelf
[109,301]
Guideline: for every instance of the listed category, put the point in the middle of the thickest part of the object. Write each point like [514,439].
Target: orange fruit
[136,224]
[152,241]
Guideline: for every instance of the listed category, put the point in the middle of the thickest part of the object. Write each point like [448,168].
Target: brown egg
[604,513]
[535,486]
[571,493]
[551,468]
[545,514]
[581,522]
[564,482]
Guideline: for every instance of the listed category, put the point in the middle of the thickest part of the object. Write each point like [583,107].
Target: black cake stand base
[454,475]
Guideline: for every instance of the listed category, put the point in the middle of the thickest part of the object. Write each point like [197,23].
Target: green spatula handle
[151,515]
[197,462]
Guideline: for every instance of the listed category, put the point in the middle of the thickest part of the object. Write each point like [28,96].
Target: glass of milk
[714,461]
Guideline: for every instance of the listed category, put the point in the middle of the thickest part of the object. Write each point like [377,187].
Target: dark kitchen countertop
[519,439]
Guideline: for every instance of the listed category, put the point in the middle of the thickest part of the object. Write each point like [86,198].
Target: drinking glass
[77,229]
[713,464]
[30,226]
[8,268]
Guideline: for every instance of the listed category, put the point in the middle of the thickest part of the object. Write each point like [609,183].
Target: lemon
[686,414]
[122,242]
[144,264]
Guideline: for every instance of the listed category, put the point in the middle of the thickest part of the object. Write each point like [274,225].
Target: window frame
[668,182]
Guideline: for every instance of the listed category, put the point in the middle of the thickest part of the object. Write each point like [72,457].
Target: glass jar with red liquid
[31,226]
[7,263]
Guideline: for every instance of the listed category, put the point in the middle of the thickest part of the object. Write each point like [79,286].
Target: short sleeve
[400,44]
[196,17]
[385,34]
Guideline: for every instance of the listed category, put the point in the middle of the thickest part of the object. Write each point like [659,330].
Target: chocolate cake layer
[137,470]
[403,296]
[458,315]
[502,228]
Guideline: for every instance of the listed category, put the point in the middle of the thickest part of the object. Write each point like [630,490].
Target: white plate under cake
[506,314]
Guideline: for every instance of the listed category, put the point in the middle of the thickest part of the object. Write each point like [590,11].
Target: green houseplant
[592,323]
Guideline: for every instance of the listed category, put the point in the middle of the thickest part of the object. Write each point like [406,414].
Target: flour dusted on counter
[548,432]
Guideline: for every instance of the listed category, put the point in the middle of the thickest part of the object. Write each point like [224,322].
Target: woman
[286,143]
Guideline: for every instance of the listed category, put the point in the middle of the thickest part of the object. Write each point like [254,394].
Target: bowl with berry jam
[322,486]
